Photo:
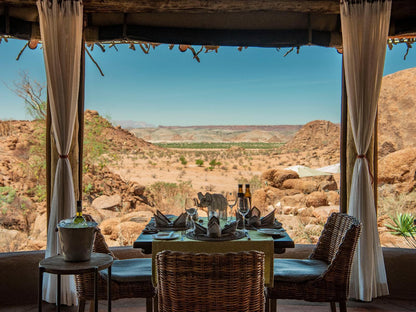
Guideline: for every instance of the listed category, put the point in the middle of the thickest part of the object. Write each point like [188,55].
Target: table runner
[258,242]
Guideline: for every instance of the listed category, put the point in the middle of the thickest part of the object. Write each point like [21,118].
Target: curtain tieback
[63,156]
[362,156]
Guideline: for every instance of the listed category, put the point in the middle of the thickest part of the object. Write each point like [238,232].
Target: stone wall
[19,272]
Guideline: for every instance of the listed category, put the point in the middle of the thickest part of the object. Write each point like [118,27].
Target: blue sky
[257,86]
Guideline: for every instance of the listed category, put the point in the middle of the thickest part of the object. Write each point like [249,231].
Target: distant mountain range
[396,124]
[132,124]
[232,133]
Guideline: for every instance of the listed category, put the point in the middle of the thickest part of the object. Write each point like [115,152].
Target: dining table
[150,243]
[280,243]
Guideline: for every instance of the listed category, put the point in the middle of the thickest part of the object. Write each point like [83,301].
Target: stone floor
[139,305]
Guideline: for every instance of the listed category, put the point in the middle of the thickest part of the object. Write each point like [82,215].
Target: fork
[248,236]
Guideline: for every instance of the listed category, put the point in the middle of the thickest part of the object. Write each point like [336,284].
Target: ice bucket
[76,240]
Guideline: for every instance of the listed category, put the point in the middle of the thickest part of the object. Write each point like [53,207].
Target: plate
[224,237]
[271,232]
[166,235]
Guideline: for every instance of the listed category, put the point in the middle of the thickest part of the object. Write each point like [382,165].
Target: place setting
[251,219]
[162,225]
[214,232]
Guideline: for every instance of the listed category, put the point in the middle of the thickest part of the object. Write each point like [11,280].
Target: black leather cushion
[130,270]
[298,270]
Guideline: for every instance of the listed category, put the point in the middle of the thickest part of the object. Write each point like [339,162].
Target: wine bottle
[79,218]
[240,192]
[247,196]
[240,197]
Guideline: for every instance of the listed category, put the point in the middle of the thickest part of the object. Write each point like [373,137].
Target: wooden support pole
[375,161]
[81,101]
[48,161]
[343,205]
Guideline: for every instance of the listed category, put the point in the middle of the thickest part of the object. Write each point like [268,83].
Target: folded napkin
[200,230]
[180,221]
[214,229]
[268,220]
[162,221]
[254,220]
[150,229]
[229,228]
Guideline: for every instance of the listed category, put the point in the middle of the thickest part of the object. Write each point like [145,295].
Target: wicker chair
[130,278]
[199,282]
[324,276]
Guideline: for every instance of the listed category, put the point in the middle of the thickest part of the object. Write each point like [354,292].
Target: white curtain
[61,31]
[365,25]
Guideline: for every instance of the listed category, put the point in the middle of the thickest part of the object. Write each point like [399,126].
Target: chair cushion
[298,270]
[130,270]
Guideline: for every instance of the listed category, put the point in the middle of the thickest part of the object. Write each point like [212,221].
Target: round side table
[57,265]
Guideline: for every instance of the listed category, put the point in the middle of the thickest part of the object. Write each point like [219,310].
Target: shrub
[171,197]
[7,196]
[199,162]
[183,160]
[95,145]
[213,163]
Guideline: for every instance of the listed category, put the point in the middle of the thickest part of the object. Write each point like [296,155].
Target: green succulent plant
[404,224]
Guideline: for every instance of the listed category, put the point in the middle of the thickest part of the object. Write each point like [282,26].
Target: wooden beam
[261,38]
[198,6]
[400,8]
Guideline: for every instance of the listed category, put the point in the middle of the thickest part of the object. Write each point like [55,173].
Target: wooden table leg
[58,294]
[109,289]
[40,289]
[96,289]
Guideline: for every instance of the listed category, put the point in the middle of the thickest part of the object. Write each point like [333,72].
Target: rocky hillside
[396,112]
[120,139]
[23,180]
[316,135]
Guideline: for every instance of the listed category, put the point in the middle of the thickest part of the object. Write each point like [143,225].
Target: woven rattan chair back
[85,282]
[333,235]
[100,246]
[189,282]
[336,247]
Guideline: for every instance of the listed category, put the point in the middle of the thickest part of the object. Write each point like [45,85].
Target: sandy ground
[236,167]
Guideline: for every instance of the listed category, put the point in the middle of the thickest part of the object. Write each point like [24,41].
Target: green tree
[199,162]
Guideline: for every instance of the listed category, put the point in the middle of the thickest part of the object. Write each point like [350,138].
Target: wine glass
[232,201]
[243,209]
[191,213]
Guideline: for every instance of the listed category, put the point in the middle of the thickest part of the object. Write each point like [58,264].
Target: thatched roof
[276,23]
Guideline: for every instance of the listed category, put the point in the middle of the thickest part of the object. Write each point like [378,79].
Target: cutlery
[248,236]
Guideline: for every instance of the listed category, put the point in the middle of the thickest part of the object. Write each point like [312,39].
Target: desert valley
[129,173]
